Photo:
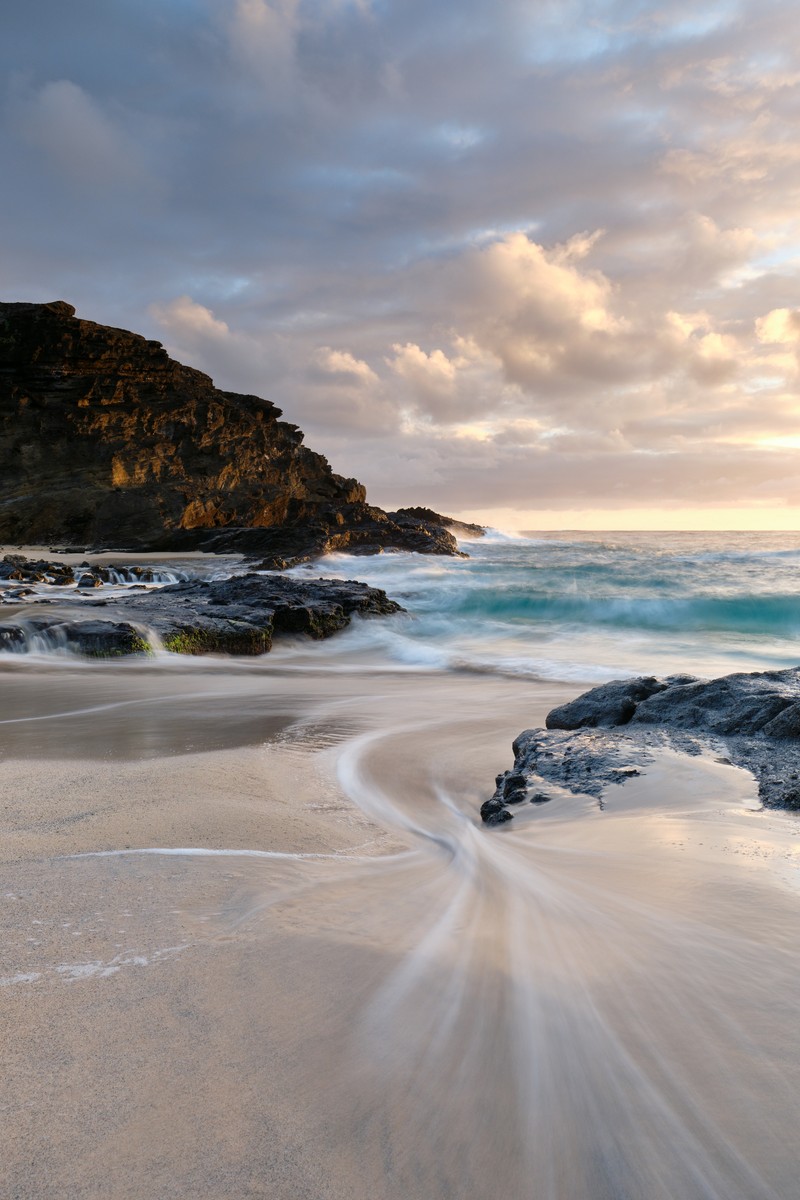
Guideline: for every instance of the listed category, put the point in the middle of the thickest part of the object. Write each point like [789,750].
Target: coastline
[256,941]
[355,1009]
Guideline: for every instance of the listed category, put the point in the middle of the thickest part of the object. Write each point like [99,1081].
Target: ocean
[255,941]
[589,607]
[567,607]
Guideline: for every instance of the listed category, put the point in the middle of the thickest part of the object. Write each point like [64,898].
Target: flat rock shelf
[607,735]
[232,616]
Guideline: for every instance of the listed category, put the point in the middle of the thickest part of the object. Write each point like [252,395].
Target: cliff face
[105,440]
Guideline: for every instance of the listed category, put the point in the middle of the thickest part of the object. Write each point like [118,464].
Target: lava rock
[494,813]
[93,638]
[107,441]
[356,528]
[463,528]
[513,782]
[186,619]
[610,704]
[608,734]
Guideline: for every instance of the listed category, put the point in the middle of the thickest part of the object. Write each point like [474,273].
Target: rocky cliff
[107,441]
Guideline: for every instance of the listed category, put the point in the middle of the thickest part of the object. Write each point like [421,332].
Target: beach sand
[370,995]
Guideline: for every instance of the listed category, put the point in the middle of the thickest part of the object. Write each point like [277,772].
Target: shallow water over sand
[372,995]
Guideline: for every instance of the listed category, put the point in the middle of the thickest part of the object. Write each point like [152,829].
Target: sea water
[573,607]
[587,607]
[254,939]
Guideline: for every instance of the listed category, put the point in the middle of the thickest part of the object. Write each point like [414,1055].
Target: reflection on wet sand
[371,995]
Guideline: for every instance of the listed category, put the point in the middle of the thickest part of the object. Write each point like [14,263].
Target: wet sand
[371,995]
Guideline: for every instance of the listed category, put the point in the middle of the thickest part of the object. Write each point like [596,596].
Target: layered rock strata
[107,441]
[607,734]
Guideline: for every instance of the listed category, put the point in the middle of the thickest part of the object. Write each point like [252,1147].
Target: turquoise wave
[622,604]
[749,614]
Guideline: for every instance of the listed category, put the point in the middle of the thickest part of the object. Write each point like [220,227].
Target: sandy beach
[400,600]
[368,994]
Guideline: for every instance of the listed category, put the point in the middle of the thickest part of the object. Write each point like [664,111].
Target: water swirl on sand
[374,996]
[597,1004]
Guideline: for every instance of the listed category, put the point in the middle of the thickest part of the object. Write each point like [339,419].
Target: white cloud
[782,325]
[184,318]
[343,368]
[429,374]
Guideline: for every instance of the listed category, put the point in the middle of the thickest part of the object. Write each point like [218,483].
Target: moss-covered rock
[244,640]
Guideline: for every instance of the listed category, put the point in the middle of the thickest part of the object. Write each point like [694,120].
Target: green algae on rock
[238,616]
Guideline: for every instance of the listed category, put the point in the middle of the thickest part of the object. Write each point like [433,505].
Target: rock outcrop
[107,441]
[462,528]
[351,528]
[607,734]
[238,616]
[761,702]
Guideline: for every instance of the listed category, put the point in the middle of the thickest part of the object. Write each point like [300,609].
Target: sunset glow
[543,257]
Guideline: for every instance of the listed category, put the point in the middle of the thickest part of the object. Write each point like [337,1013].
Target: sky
[535,264]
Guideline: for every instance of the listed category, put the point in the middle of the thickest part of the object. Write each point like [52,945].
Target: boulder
[607,735]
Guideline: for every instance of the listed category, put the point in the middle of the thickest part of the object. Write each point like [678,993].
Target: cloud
[430,375]
[546,319]
[184,319]
[263,38]
[340,367]
[519,251]
[782,325]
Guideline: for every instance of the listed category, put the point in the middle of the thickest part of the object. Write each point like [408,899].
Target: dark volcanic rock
[17,566]
[94,638]
[611,704]
[607,735]
[493,812]
[767,701]
[106,441]
[464,528]
[352,528]
[233,616]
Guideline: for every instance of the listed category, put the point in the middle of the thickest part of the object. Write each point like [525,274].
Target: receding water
[369,994]
[592,606]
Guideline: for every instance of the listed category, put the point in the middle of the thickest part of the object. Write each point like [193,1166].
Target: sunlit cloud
[547,255]
[184,318]
[781,325]
[339,366]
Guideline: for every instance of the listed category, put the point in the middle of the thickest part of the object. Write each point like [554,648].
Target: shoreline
[229,1024]
[256,943]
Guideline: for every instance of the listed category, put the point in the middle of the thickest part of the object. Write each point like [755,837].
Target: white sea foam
[573,607]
